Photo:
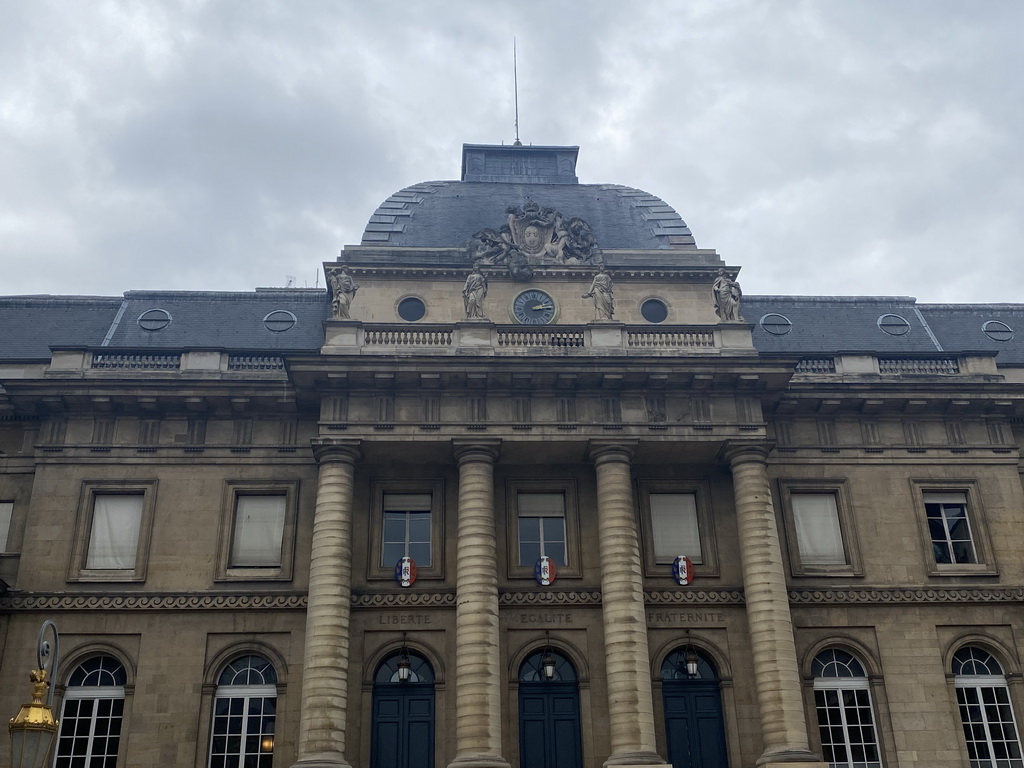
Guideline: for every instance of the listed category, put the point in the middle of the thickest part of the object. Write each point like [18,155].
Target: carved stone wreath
[535,236]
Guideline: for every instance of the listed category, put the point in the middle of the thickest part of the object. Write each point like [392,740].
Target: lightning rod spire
[515,81]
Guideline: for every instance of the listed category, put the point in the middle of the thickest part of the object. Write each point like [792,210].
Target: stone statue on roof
[343,290]
[473,294]
[603,294]
[726,293]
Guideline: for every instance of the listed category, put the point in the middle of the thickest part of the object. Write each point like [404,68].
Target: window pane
[818,534]
[114,540]
[407,528]
[674,526]
[259,526]
[6,511]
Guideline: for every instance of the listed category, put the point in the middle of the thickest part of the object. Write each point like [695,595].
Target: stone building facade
[531,484]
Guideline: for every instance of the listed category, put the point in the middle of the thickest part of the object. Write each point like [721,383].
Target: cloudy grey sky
[833,147]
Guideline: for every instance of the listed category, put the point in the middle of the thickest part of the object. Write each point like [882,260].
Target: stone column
[477,650]
[630,704]
[325,662]
[776,672]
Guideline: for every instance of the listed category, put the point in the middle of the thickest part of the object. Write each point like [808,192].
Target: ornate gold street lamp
[33,729]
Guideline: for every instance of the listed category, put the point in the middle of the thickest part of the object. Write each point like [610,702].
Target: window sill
[253,574]
[972,569]
[106,576]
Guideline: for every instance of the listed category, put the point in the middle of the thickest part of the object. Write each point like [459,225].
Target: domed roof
[446,214]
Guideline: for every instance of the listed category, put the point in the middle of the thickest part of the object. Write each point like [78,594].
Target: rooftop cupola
[514,164]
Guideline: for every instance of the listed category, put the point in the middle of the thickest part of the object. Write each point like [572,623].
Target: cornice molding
[694,597]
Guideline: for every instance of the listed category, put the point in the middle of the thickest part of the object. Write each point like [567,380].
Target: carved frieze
[534,236]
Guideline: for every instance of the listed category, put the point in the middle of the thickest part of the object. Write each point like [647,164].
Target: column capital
[741,452]
[602,451]
[468,449]
[333,449]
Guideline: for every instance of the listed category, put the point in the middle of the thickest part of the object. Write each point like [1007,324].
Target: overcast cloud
[838,148]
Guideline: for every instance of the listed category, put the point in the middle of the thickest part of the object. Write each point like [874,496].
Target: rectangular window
[114,538]
[541,527]
[821,532]
[407,529]
[408,520]
[257,537]
[258,531]
[949,528]
[6,513]
[674,527]
[112,531]
[819,535]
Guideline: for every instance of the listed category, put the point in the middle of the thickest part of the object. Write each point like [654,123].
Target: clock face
[533,307]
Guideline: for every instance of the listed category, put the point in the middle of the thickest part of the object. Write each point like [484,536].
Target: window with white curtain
[6,513]
[114,535]
[675,528]
[258,531]
[819,535]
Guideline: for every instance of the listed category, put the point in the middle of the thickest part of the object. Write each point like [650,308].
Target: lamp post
[33,729]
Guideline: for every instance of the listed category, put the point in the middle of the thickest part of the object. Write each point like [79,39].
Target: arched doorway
[403,713]
[694,726]
[549,712]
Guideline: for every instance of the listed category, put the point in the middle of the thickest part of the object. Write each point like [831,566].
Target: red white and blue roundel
[682,570]
[545,571]
[405,571]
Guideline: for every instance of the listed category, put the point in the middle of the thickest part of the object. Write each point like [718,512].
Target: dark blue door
[694,726]
[549,714]
[403,716]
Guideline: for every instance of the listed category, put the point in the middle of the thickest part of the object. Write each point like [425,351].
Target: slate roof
[821,325]
[825,325]
[446,214]
[230,321]
[30,325]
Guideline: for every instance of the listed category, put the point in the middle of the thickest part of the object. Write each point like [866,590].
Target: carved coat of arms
[534,236]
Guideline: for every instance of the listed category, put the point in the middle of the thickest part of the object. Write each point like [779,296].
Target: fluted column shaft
[630,705]
[478,674]
[325,663]
[776,673]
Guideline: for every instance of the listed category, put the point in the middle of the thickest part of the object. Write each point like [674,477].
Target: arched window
[244,710]
[90,720]
[990,728]
[843,704]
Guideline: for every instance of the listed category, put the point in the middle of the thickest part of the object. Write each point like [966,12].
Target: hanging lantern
[691,662]
[547,661]
[544,571]
[404,670]
[405,571]
[682,570]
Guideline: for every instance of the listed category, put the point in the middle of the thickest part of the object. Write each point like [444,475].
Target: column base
[317,762]
[479,761]
[791,759]
[636,760]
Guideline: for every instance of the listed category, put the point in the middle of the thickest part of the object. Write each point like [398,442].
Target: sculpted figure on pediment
[533,235]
